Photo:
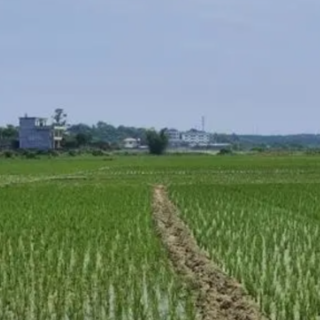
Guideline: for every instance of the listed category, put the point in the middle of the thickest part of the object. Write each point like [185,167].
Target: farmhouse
[191,137]
[195,137]
[131,143]
[35,133]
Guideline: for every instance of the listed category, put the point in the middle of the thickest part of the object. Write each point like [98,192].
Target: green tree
[157,141]
[69,142]
[9,136]
[9,132]
[59,117]
[83,139]
[106,132]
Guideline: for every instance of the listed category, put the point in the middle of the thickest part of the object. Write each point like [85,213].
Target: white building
[131,143]
[196,137]
[174,137]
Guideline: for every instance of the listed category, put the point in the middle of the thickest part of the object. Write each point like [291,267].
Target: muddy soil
[217,297]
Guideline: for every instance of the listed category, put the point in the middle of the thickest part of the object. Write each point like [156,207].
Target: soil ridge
[217,296]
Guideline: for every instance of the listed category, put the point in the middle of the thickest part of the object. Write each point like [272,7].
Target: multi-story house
[174,137]
[34,133]
[196,137]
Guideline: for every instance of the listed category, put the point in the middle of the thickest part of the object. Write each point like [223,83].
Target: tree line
[105,136]
[101,135]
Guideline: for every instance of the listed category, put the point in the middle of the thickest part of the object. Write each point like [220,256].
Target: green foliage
[157,141]
[105,135]
[224,152]
[105,132]
[8,154]
[72,153]
[258,149]
[53,153]
[102,145]
[8,132]
[98,153]
[14,143]
[313,152]
[59,117]
[40,152]
[83,139]
[9,137]
[30,154]
[69,142]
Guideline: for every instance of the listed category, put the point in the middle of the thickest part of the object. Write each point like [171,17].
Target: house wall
[192,137]
[196,137]
[174,137]
[34,137]
[131,144]
[57,136]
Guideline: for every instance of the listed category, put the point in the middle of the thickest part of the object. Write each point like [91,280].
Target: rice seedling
[262,239]
[83,252]
[77,240]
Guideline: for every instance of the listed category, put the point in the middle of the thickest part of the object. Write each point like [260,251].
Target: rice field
[84,251]
[78,241]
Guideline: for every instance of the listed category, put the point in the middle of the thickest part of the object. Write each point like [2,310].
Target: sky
[249,66]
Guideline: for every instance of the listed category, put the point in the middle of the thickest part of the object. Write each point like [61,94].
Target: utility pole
[203,123]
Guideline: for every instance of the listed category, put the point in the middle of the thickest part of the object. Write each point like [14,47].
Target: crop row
[84,252]
[268,241]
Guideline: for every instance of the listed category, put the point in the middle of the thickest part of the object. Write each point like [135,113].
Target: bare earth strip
[216,295]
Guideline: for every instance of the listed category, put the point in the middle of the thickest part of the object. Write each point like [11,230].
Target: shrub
[312,152]
[53,153]
[72,153]
[97,153]
[30,154]
[224,152]
[41,152]
[8,154]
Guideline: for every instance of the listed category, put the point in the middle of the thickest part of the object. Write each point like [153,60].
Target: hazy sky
[248,66]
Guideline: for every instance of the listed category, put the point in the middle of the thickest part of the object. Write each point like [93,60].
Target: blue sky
[249,66]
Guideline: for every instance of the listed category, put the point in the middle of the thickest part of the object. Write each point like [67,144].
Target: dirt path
[216,295]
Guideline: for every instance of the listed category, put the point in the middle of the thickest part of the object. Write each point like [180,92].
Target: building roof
[172,130]
[193,131]
[27,117]
[31,118]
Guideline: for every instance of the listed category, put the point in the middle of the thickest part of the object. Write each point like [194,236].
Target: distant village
[41,134]
[192,138]
[36,133]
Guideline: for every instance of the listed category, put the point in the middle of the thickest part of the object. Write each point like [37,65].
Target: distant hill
[281,141]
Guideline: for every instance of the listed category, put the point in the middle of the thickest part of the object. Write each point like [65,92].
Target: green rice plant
[83,251]
[77,239]
[259,239]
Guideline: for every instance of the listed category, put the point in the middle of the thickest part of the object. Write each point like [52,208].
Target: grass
[77,239]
